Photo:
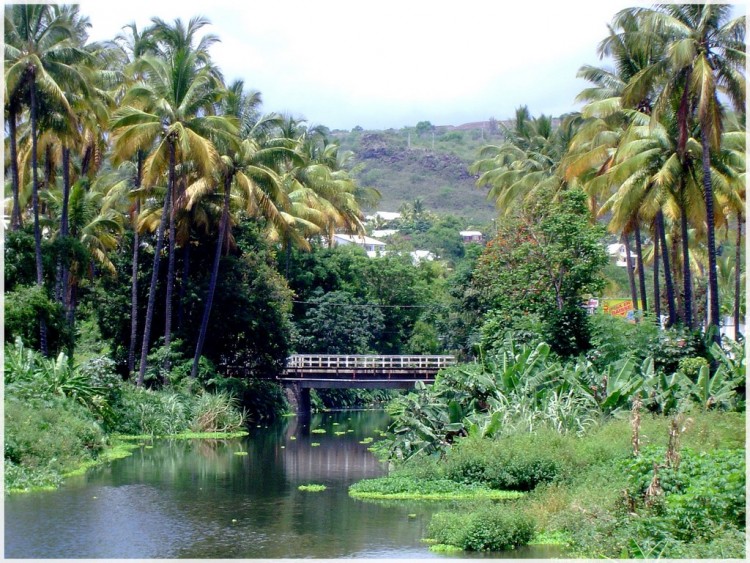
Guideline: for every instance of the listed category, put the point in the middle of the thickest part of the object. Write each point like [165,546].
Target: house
[369,244]
[617,250]
[471,236]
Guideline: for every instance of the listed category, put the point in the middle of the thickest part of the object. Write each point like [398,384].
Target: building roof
[359,239]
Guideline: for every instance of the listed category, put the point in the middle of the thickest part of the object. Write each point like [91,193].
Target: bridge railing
[323,361]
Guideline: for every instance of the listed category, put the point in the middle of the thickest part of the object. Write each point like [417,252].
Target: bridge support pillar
[298,397]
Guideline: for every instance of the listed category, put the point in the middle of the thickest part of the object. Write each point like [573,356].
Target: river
[229,499]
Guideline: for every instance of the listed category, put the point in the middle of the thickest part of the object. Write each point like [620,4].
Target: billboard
[618,307]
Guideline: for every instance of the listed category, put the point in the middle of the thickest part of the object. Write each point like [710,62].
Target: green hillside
[429,163]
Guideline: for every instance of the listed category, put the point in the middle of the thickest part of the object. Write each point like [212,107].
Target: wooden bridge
[318,371]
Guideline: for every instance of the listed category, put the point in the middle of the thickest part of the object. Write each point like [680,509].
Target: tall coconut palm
[170,114]
[246,168]
[40,50]
[526,162]
[133,44]
[704,53]
[730,183]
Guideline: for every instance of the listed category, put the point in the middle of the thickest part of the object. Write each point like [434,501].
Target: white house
[368,243]
[617,250]
[471,236]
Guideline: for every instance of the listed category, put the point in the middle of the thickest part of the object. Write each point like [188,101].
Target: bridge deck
[321,370]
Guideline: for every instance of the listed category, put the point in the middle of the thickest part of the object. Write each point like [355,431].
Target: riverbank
[62,420]
[594,494]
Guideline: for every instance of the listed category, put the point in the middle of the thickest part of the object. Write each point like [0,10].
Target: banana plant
[712,390]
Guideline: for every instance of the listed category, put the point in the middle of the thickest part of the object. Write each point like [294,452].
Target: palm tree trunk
[669,285]
[639,262]
[183,286]
[713,281]
[15,217]
[154,277]
[170,263]
[35,208]
[63,262]
[134,281]
[657,290]
[688,292]
[214,278]
[631,277]
[737,277]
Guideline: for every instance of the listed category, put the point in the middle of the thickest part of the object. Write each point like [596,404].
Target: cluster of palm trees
[659,148]
[143,133]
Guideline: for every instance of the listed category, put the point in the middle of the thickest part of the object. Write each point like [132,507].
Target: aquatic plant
[312,488]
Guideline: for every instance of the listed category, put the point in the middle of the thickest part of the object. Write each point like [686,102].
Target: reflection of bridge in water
[319,371]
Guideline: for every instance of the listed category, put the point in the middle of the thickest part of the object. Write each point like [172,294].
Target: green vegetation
[485,529]
[406,487]
[312,488]
[61,419]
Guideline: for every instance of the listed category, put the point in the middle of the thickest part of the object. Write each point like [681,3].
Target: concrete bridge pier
[298,397]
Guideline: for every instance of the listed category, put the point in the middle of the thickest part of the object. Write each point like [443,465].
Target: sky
[392,63]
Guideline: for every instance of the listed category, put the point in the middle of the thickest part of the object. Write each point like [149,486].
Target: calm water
[198,499]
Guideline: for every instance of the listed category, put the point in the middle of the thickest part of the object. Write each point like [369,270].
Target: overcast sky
[392,63]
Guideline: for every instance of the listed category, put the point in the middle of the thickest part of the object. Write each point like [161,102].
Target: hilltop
[428,163]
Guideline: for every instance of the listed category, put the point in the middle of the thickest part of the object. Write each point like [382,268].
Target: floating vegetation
[312,488]
[444,548]
[318,431]
[410,488]
[240,453]
[292,437]
[339,433]
[315,444]
[366,440]
[350,430]
[335,423]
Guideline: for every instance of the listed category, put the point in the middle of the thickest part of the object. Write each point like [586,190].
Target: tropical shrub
[492,528]
[25,306]
[509,463]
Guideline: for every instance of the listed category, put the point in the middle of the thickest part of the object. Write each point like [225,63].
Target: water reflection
[199,499]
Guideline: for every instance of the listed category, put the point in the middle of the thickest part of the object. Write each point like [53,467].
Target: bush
[494,528]
[517,463]
[217,412]
[24,307]
[613,338]
[45,438]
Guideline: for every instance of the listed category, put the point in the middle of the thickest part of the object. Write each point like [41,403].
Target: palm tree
[245,167]
[527,163]
[170,113]
[730,180]
[704,53]
[40,51]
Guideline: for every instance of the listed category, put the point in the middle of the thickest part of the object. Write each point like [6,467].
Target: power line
[358,306]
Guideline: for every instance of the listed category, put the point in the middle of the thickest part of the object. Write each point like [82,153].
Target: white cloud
[392,63]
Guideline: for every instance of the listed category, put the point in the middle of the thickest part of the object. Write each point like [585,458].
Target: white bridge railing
[302,362]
